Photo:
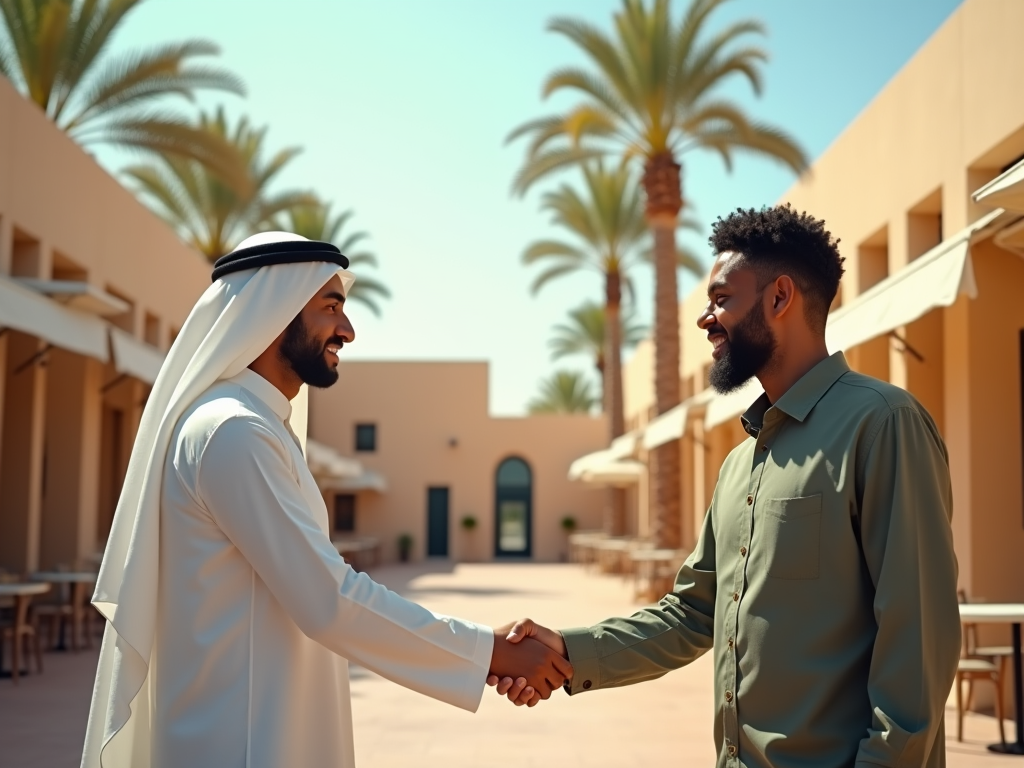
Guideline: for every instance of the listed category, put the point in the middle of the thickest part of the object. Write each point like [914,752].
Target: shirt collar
[265,391]
[799,400]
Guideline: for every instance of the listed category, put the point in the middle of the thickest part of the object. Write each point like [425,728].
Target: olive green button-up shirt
[825,578]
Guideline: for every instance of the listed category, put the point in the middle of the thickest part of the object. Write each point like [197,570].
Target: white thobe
[258,612]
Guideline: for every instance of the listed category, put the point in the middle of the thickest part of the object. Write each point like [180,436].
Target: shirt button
[735,596]
[743,551]
[586,685]
[731,750]
[728,695]
[764,448]
[730,642]
[750,500]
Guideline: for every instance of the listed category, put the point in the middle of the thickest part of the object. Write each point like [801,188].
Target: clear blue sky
[402,107]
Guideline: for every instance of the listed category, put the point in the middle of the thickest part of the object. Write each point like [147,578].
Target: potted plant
[468,523]
[404,547]
[568,525]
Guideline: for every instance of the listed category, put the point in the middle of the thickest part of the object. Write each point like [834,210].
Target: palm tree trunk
[664,200]
[615,517]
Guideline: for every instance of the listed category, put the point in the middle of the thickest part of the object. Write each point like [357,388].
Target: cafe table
[78,581]
[1012,614]
[22,594]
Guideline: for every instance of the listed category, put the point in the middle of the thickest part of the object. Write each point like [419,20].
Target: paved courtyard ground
[663,722]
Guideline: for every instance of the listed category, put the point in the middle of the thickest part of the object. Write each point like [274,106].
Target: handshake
[528,663]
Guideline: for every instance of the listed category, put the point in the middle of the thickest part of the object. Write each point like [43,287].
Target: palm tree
[610,235]
[585,334]
[651,96]
[210,215]
[564,392]
[54,52]
[315,221]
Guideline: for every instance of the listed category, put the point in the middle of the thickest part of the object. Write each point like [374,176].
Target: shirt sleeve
[245,482]
[655,640]
[905,512]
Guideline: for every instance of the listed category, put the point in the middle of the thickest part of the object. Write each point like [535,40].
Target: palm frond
[564,392]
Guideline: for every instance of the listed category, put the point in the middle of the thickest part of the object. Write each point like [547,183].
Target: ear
[780,296]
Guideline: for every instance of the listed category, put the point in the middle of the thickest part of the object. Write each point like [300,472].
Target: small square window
[366,437]
[345,513]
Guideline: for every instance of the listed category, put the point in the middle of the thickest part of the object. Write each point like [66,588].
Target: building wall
[64,217]
[433,429]
[895,183]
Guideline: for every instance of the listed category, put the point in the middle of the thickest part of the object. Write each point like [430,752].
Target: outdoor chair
[975,665]
[20,630]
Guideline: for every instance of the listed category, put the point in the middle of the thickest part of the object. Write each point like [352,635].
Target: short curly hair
[777,241]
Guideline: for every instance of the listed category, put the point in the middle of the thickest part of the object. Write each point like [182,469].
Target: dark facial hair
[750,347]
[306,354]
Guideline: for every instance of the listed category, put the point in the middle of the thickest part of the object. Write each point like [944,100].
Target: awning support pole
[113,383]
[33,360]
[907,347]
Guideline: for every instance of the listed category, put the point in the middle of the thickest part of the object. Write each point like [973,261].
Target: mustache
[336,341]
[717,330]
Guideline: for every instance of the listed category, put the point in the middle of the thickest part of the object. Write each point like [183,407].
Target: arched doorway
[513,509]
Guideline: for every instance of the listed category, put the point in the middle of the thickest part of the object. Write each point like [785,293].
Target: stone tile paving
[662,722]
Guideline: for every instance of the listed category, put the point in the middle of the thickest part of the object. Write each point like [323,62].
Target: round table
[1012,614]
[22,593]
[78,581]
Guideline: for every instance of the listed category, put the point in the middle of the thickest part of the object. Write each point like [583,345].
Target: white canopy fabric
[603,468]
[134,357]
[366,480]
[27,311]
[325,462]
[933,280]
[671,425]
[1004,191]
[624,446]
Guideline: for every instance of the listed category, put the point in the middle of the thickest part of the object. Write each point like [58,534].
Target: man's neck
[787,369]
[280,376]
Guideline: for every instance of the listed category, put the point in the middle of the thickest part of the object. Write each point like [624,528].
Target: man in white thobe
[231,616]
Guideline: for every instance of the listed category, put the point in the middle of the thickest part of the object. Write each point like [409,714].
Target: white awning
[367,480]
[671,425]
[624,446]
[134,357]
[602,468]
[25,310]
[1004,191]
[78,294]
[325,462]
[935,279]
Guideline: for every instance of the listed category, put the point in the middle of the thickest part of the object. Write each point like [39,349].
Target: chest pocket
[792,537]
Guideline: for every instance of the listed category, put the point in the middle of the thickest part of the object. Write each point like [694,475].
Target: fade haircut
[779,241]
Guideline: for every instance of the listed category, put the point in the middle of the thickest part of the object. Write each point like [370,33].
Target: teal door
[437,522]
[513,509]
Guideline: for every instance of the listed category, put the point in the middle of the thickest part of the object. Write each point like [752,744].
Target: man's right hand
[518,690]
[538,668]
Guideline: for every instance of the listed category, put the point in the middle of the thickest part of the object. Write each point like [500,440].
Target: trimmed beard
[305,354]
[750,348]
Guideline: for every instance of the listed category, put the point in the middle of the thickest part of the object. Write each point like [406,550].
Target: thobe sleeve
[655,640]
[905,511]
[245,483]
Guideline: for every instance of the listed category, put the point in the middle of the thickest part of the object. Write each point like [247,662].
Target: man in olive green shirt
[824,576]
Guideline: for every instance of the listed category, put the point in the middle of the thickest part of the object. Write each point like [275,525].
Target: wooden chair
[973,666]
[20,632]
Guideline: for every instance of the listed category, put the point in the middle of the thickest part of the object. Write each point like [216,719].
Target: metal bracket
[905,347]
[113,382]
[38,356]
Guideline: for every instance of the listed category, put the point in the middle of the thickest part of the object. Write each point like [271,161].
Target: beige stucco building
[435,456]
[932,296]
[93,288]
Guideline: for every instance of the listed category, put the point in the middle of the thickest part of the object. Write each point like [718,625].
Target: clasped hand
[528,663]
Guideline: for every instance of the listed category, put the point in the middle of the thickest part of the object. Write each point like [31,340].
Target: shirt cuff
[582,651]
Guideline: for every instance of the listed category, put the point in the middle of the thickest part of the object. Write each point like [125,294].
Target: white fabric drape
[234,321]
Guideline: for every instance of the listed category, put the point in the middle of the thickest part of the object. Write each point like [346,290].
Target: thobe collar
[799,400]
[265,391]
